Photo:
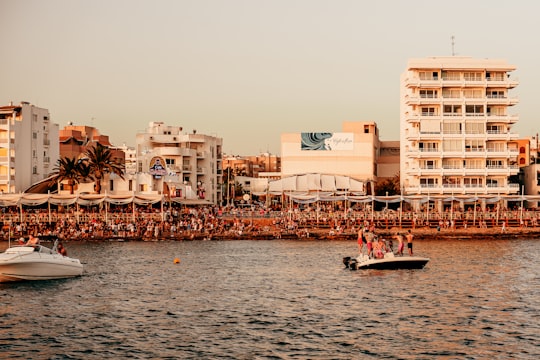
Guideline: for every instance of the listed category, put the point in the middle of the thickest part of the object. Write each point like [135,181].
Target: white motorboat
[37,262]
[389,262]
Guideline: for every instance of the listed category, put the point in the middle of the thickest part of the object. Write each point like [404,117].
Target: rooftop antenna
[453,53]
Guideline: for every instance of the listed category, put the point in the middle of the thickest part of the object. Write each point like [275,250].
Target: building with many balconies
[456,123]
[184,165]
[28,135]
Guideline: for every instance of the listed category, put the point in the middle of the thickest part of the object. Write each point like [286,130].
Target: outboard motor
[346,261]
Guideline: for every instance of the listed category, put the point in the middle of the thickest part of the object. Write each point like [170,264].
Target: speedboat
[37,262]
[389,262]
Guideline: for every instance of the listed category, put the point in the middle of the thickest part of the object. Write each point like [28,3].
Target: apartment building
[185,165]
[456,127]
[28,135]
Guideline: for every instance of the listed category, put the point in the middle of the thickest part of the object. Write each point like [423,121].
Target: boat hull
[388,263]
[21,265]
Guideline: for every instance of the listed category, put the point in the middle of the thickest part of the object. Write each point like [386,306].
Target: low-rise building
[352,152]
[179,164]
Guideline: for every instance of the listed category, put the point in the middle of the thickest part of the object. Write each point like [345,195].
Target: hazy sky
[248,70]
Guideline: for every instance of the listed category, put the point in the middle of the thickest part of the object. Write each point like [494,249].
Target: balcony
[469,189]
[172,151]
[502,118]
[501,100]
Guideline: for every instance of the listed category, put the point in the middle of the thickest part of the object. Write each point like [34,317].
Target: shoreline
[314,234]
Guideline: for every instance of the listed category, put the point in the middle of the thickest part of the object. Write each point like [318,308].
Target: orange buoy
[176,260]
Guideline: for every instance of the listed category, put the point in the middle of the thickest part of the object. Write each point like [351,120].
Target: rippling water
[278,300]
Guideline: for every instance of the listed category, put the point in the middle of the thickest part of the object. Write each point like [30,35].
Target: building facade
[455,122]
[388,160]
[185,165]
[28,135]
[352,152]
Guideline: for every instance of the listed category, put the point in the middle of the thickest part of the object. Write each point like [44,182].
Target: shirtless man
[409,238]
[399,238]
[361,240]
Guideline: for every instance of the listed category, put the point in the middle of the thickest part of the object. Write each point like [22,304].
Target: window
[472,76]
[494,129]
[474,145]
[428,111]
[130,185]
[111,185]
[428,75]
[474,110]
[429,182]
[452,145]
[451,93]
[473,182]
[452,110]
[522,150]
[494,164]
[428,146]
[474,164]
[428,164]
[428,94]
[430,126]
[451,128]
[450,75]
[495,94]
[451,164]
[474,128]
[472,93]
[451,182]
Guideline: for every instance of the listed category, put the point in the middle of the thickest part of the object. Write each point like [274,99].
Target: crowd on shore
[213,222]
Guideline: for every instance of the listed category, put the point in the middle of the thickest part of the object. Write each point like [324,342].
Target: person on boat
[369,242]
[61,249]
[399,238]
[380,248]
[32,240]
[409,238]
[361,240]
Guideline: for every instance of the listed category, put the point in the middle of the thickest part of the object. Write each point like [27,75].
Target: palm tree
[67,169]
[101,162]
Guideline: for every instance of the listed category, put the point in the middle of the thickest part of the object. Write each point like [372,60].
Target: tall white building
[28,136]
[186,165]
[456,121]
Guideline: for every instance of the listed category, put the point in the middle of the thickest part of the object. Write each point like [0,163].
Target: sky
[248,70]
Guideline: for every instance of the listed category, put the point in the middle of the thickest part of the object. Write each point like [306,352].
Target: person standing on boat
[361,240]
[409,238]
[399,238]
[369,242]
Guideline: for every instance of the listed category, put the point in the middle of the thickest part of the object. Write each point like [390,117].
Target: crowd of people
[150,222]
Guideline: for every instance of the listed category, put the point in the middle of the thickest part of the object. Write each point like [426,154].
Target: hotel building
[456,120]
[28,135]
[184,165]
